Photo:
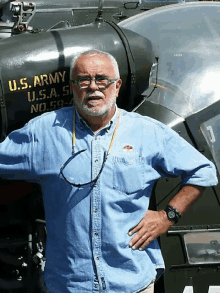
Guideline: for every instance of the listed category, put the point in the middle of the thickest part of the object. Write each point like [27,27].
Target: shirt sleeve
[16,155]
[179,158]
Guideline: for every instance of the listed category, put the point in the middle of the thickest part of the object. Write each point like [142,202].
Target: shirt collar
[83,123]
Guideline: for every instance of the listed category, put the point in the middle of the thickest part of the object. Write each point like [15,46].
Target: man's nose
[93,86]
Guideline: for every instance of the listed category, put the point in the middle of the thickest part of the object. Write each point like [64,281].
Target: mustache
[95,94]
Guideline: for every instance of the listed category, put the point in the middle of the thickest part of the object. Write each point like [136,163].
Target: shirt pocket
[128,174]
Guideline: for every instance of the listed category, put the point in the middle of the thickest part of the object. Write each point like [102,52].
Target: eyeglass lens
[101,82]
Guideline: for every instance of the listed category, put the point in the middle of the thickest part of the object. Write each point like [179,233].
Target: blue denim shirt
[87,240]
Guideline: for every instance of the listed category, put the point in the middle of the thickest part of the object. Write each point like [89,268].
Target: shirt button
[96,160]
[97,257]
[96,234]
[95,210]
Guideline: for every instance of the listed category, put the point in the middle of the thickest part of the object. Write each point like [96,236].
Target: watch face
[171,215]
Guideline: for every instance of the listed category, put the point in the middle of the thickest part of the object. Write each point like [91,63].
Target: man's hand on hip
[152,225]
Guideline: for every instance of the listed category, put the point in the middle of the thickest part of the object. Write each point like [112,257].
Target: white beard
[93,111]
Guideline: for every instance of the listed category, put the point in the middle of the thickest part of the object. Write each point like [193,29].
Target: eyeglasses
[72,170]
[84,82]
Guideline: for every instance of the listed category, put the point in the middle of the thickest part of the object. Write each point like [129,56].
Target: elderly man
[97,166]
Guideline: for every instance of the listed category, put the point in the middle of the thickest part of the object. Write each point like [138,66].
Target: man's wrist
[172,214]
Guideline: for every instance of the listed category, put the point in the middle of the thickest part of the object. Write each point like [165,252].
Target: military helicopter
[168,58]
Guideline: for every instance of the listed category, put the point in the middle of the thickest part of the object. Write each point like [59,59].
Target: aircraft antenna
[99,17]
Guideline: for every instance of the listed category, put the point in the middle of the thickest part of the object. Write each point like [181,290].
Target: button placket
[97,160]
[96,204]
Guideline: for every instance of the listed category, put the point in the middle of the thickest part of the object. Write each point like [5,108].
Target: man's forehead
[93,63]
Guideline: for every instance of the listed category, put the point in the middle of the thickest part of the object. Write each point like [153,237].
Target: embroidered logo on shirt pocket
[128,176]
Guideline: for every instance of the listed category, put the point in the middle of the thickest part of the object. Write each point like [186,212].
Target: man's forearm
[186,197]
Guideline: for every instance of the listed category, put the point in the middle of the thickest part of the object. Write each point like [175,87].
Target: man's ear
[118,86]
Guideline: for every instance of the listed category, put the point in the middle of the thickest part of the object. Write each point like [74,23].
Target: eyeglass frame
[94,181]
[109,81]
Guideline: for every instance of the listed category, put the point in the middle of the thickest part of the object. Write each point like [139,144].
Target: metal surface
[187,41]
[75,12]
[23,13]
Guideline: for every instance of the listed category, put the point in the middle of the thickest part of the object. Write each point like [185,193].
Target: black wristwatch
[172,214]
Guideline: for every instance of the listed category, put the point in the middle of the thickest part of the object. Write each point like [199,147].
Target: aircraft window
[211,131]
[203,247]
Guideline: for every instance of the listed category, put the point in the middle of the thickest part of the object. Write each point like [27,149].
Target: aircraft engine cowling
[34,68]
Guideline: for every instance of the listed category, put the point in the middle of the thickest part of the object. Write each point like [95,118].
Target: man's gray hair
[99,53]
